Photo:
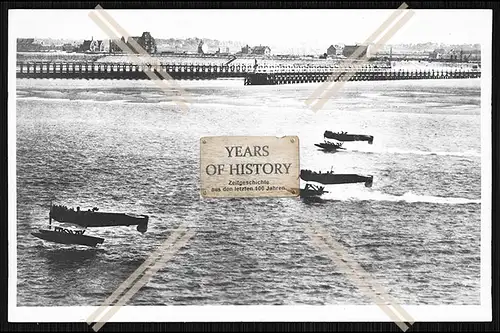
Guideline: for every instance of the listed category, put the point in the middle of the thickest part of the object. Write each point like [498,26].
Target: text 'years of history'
[257,166]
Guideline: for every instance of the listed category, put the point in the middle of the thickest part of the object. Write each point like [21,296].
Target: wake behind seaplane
[91,218]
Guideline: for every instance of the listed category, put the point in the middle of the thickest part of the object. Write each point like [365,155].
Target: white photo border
[264,313]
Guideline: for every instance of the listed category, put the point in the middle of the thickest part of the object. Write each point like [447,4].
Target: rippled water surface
[124,146]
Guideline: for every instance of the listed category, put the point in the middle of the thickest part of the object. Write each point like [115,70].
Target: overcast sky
[266,27]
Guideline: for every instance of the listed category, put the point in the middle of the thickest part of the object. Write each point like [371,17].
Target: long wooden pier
[262,75]
[343,75]
[98,70]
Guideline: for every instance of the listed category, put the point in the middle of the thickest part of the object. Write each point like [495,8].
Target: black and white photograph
[379,208]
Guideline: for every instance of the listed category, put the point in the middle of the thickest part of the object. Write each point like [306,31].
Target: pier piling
[262,75]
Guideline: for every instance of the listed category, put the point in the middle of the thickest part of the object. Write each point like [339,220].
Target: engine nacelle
[143,225]
[369,182]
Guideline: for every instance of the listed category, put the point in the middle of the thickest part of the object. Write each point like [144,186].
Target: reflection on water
[68,258]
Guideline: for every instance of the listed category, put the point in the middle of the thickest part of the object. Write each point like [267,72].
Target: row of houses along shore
[148,43]
[145,41]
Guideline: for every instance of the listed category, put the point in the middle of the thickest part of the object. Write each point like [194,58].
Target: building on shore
[256,50]
[114,45]
[455,55]
[28,45]
[471,55]
[437,54]
[349,50]
[145,41]
[85,46]
[246,50]
[202,48]
[224,51]
[92,45]
[335,50]
[331,51]
[68,47]
[261,50]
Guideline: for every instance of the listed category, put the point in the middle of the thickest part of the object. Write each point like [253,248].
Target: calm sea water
[124,146]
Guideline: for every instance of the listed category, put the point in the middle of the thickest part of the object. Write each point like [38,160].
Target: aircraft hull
[348,137]
[333,178]
[64,237]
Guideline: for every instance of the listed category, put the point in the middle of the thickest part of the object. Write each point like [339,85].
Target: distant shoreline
[98,55]
[247,60]
[94,56]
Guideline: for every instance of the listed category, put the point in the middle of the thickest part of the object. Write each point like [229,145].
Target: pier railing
[261,74]
[339,74]
[98,70]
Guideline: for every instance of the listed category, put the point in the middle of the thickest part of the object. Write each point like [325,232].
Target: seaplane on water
[330,146]
[310,191]
[344,136]
[329,178]
[86,219]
